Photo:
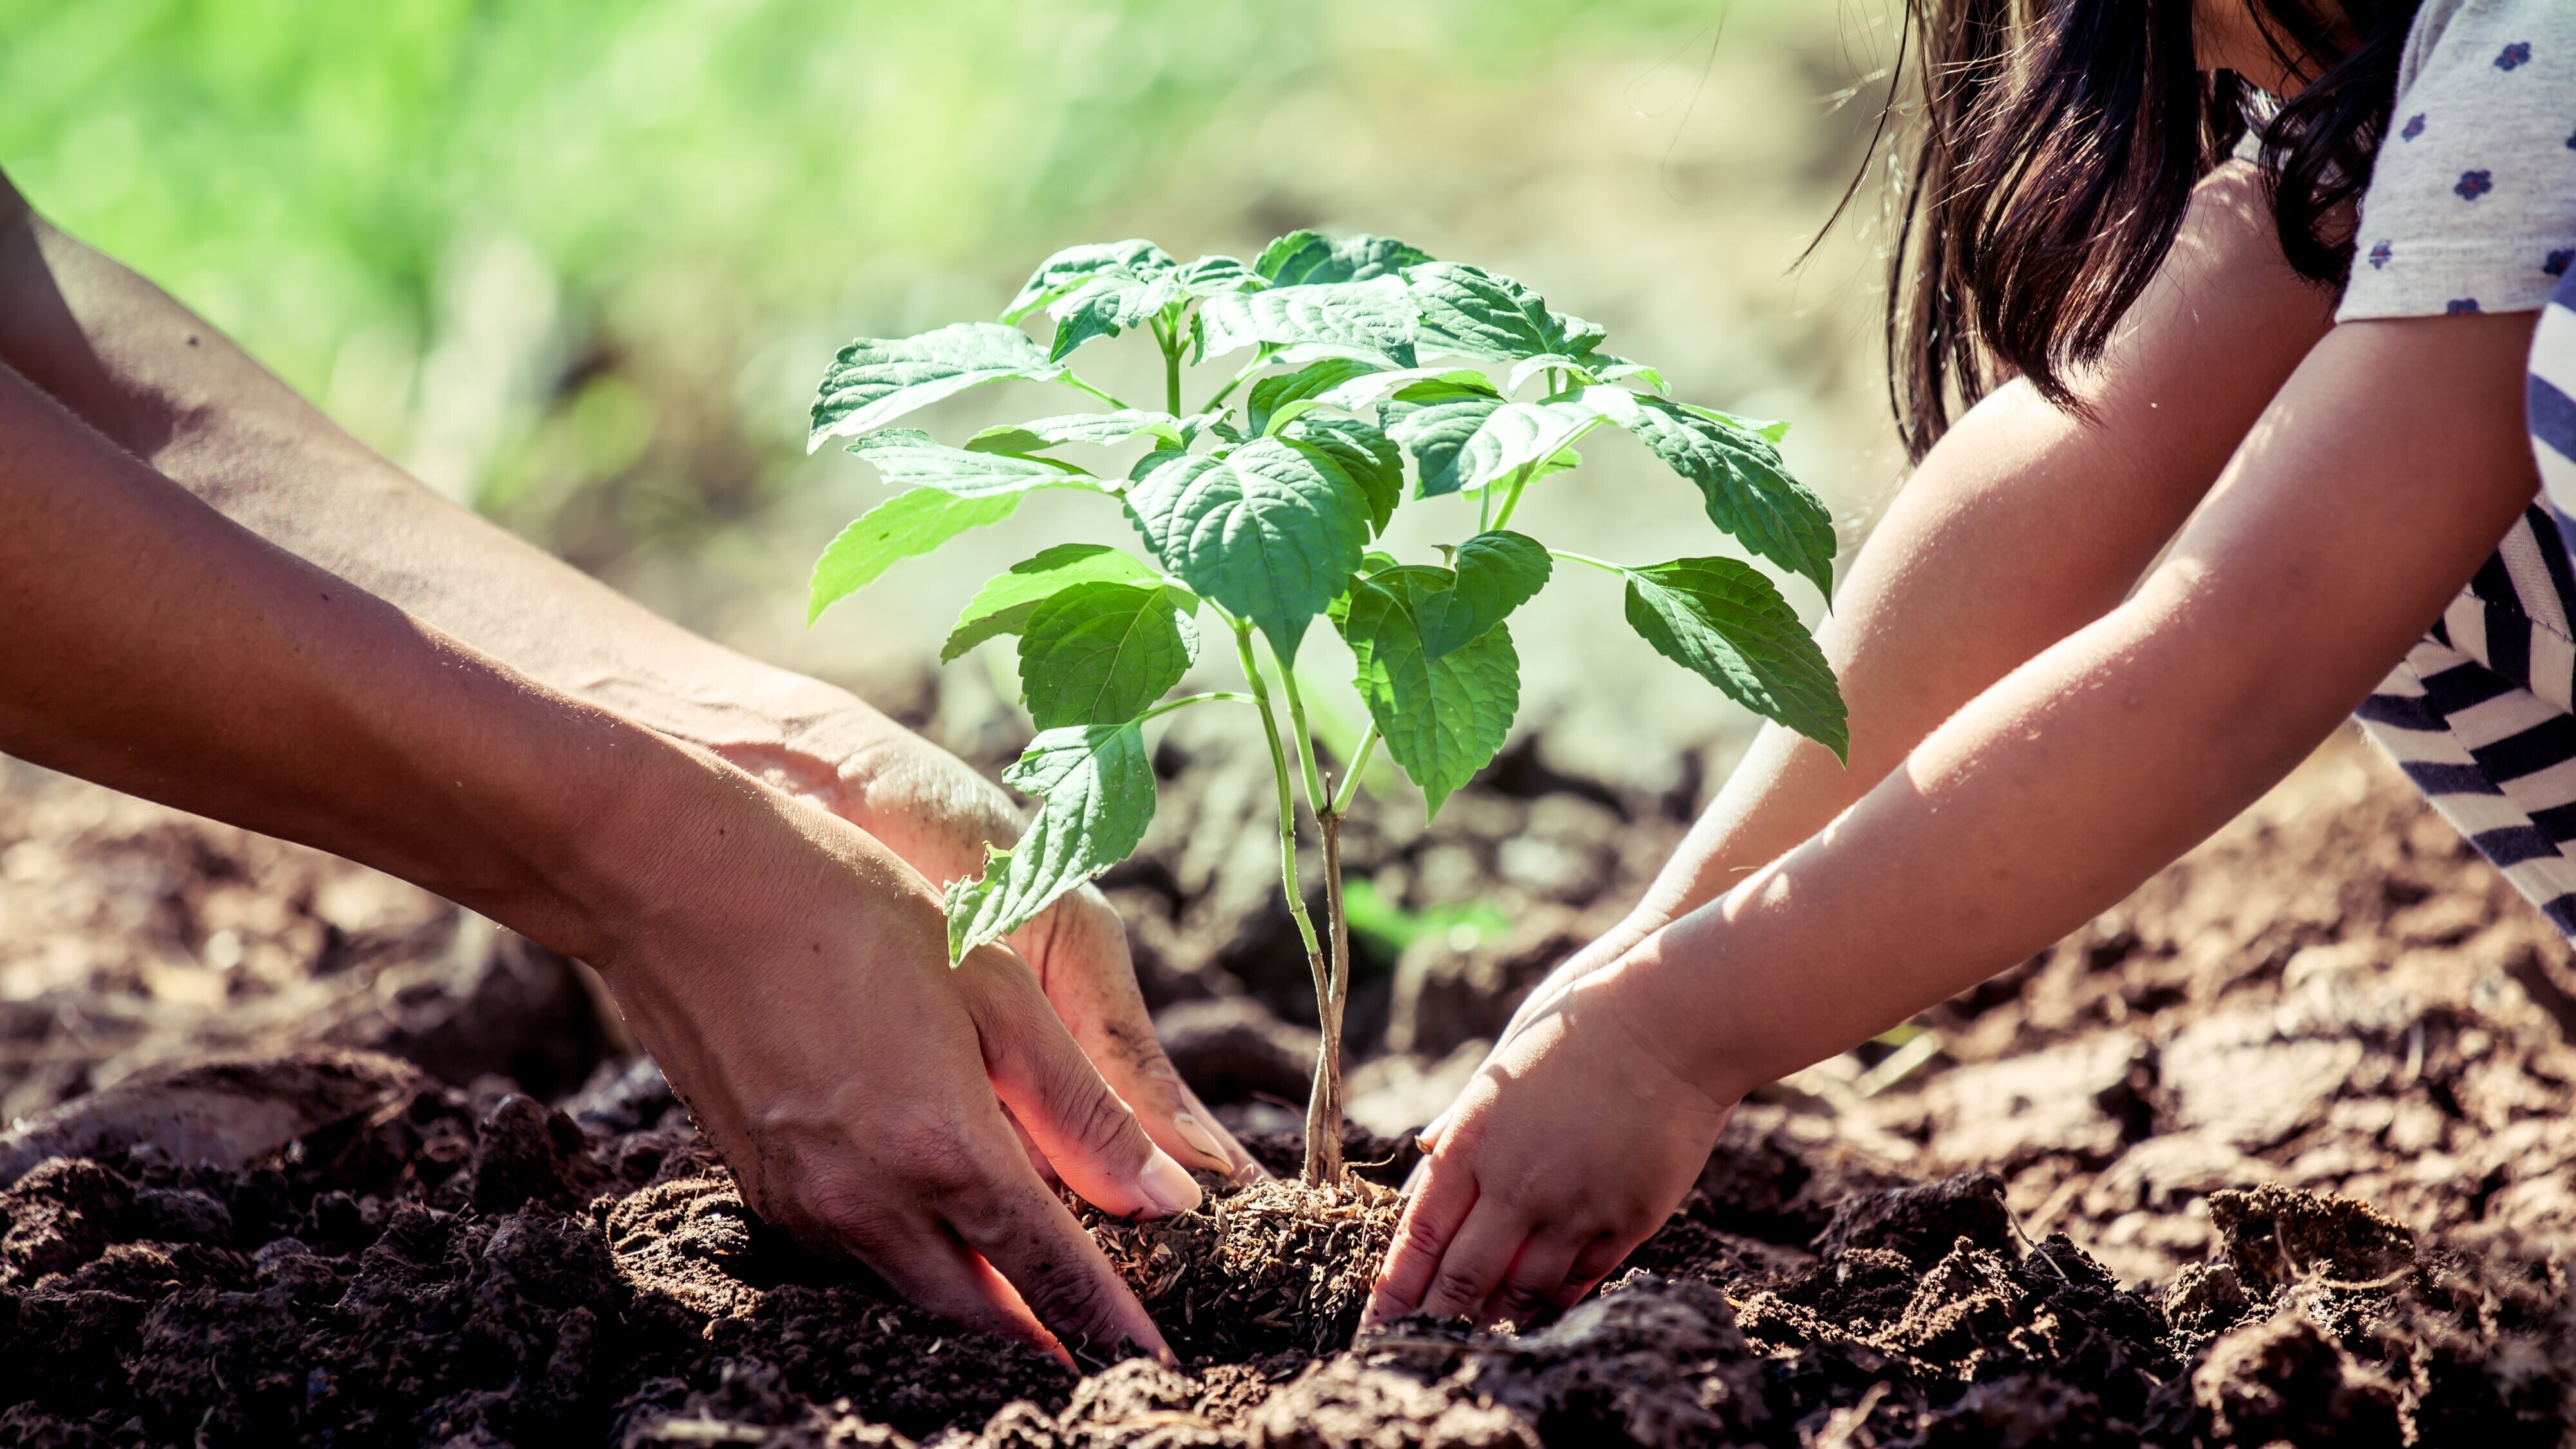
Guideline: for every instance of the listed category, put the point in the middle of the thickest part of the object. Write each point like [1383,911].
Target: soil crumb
[1259,1269]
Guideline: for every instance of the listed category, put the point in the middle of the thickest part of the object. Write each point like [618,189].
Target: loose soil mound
[2275,1152]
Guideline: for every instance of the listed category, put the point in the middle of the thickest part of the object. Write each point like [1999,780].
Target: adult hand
[1575,1140]
[931,809]
[792,980]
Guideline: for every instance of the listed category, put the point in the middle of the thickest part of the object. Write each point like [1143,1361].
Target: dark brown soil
[2276,1152]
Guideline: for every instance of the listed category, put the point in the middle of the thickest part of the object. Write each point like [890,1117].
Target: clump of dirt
[1259,1269]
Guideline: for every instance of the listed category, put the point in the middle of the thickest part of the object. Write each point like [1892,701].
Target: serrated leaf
[1212,276]
[1096,785]
[1748,490]
[1005,602]
[902,526]
[1496,572]
[1309,258]
[1442,718]
[1720,618]
[1363,452]
[1265,531]
[1616,369]
[1470,312]
[1107,305]
[913,459]
[878,379]
[1098,429]
[1432,384]
[1471,441]
[1524,369]
[1373,321]
[1072,267]
[1102,653]
[1308,384]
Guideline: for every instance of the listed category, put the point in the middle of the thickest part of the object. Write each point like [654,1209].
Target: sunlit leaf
[1470,312]
[914,459]
[1310,258]
[1720,618]
[902,526]
[1373,321]
[1443,716]
[1096,785]
[1003,605]
[1103,653]
[1748,490]
[1265,531]
[878,379]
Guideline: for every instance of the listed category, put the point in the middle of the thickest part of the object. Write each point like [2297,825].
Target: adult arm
[174,392]
[787,970]
[2371,488]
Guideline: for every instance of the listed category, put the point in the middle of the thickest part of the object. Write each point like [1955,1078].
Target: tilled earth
[2276,1151]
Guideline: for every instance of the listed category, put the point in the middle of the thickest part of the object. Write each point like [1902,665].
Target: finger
[1432,1215]
[1037,1160]
[1530,1284]
[930,1267]
[1027,1235]
[1089,1136]
[1079,950]
[1597,1261]
[1475,1261]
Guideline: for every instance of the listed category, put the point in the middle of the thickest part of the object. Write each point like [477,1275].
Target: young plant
[1260,513]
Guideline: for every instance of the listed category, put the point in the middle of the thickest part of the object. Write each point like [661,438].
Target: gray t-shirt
[2472,203]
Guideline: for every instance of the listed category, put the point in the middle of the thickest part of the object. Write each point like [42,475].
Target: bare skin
[828,1109]
[2031,738]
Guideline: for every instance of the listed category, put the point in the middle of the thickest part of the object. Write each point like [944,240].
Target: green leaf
[1102,653]
[1497,571]
[1099,429]
[1005,602]
[1415,384]
[1361,451]
[1069,269]
[1614,369]
[1443,718]
[1307,384]
[1373,321]
[913,459]
[1309,258]
[1527,366]
[1465,444]
[1266,531]
[876,379]
[1470,312]
[1213,276]
[904,525]
[1107,305]
[1096,783]
[1748,490]
[1720,618]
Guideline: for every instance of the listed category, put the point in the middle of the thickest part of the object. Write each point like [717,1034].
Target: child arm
[2370,488]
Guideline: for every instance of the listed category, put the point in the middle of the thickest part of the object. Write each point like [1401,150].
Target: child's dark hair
[2058,144]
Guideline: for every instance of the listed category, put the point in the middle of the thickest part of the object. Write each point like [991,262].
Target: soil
[2277,1151]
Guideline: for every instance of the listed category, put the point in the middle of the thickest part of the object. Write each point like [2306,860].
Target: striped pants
[2482,713]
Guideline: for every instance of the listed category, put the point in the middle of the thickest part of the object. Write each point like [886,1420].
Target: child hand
[1575,1141]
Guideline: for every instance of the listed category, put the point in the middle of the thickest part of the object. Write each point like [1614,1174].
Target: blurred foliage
[562,256]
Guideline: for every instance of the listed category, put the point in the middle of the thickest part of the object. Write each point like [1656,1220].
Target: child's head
[2055,152]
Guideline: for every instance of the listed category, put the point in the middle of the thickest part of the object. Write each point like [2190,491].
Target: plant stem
[1324,1103]
[1323,1153]
[1351,782]
[1570,556]
[1068,378]
[1260,360]
[1512,499]
[1234,696]
[1318,799]
[1170,339]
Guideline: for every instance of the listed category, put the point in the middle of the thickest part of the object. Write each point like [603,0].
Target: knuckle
[1077,1305]
[1454,1291]
[1417,1236]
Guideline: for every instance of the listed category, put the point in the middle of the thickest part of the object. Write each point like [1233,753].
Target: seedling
[1260,514]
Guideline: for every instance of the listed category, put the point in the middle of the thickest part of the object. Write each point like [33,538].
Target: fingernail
[1195,1132]
[1167,1185]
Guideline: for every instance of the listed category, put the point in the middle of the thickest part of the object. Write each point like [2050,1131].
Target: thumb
[1052,1091]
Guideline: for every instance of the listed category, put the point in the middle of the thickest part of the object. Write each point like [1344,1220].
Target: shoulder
[2472,201]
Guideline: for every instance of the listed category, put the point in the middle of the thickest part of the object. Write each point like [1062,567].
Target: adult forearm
[159,648]
[170,389]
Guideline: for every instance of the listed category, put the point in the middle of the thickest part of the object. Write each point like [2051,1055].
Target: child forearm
[2023,525]
[2336,537]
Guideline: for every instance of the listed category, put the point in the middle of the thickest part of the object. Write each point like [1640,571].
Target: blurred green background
[579,262]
